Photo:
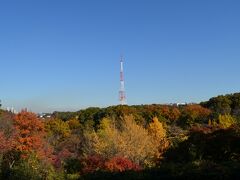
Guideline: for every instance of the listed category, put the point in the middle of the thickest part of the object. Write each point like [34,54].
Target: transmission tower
[122,92]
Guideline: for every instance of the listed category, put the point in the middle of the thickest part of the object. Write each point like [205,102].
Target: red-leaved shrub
[120,164]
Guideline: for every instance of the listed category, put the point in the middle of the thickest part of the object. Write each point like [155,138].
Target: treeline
[200,141]
[228,104]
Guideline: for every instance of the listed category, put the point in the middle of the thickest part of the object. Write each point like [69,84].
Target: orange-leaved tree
[31,138]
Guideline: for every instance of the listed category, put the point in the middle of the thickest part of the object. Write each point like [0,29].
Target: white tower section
[122,93]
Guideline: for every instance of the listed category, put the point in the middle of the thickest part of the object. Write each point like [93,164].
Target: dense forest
[192,141]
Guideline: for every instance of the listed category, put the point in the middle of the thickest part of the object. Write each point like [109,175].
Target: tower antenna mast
[122,92]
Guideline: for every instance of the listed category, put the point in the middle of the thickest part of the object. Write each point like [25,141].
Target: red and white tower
[122,92]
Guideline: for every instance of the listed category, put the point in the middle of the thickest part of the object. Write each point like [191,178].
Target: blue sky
[64,55]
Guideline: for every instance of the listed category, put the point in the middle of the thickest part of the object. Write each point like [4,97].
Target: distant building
[12,110]
[180,104]
[44,115]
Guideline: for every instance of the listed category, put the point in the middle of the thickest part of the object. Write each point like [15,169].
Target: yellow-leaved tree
[158,136]
[136,143]
[129,140]
[101,142]
[223,121]
[108,138]
[226,120]
[57,130]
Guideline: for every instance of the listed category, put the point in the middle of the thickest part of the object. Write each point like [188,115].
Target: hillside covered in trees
[195,141]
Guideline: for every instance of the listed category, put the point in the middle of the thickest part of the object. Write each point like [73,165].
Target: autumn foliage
[92,163]
[170,113]
[6,144]
[159,137]
[30,130]
[192,114]
[31,135]
[120,164]
[168,140]
[116,164]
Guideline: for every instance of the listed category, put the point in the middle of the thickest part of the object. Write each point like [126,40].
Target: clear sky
[64,54]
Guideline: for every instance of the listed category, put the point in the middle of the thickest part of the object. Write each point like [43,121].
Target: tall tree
[31,135]
[158,135]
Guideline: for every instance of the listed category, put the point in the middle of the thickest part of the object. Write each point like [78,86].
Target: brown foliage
[92,164]
[6,144]
[196,111]
[171,113]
